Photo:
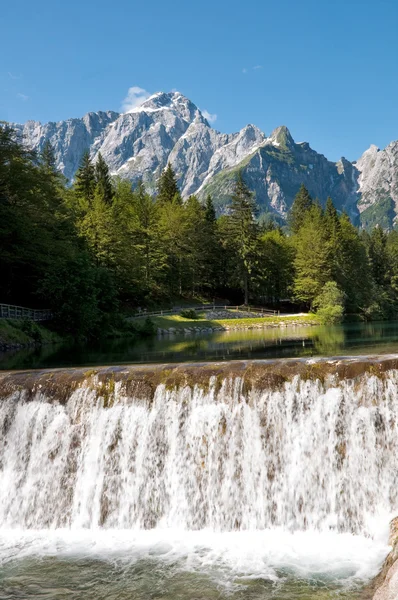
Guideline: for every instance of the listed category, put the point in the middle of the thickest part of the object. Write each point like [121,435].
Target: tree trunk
[246,288]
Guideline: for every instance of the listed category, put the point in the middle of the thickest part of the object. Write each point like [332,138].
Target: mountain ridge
[168,127]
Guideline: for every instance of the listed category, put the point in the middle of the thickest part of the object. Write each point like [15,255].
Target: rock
[169,128]
[386,583]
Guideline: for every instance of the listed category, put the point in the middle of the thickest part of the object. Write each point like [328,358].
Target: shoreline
[191,326]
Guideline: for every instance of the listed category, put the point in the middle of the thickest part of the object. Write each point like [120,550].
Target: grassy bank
[179,323]
[20,333]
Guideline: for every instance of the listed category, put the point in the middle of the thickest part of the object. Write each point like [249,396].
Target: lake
[297,341]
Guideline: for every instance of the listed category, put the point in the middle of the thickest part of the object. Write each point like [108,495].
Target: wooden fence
[8,311]
[204,308]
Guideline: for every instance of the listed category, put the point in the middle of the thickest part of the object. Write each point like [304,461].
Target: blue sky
[326,69]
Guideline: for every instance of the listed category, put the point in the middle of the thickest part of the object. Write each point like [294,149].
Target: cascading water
[220,460]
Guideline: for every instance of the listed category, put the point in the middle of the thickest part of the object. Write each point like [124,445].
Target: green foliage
[32,329]
[168,191]
[242,231]
[85,181]
[148,328]
[330,303]
[311,263]
[103,181]
[24,332]
[275,269]
[210,213]
[87,249]
[301,206]
[190,313]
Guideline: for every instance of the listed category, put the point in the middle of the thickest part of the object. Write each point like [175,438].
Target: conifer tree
[311,263]
[351,271]
[300,207]
[378,255]
[85,180]
[103,180]
[243,231]
[47,158]
[167,188]
[331,218]
[210,212]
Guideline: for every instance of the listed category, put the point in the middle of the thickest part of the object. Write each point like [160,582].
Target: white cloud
[22,96]
[209,117]
[135,97]
[12,76]
[255,68]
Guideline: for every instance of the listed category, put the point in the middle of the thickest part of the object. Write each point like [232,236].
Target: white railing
[203,308]
[9,311]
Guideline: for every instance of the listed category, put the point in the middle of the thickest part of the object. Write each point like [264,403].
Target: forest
[97,248]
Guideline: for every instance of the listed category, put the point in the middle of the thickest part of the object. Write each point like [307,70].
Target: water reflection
[352,338]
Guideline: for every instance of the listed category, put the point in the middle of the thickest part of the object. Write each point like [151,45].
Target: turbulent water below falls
[122,484]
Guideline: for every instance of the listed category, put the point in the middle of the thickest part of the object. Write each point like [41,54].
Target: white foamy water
[228,555]
[303,478]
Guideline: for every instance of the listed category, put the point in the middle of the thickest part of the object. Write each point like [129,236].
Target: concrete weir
[299,445]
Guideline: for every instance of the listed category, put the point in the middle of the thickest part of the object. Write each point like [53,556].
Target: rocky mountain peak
[281,137]
[168,128]
[173,101]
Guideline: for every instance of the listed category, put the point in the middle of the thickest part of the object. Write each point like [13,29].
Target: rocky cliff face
[170,128]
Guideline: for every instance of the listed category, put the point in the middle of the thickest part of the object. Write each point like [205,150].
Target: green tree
[210,212]
[243,231]
[312,267]
[300,207]
[103,180]
[197,230]
[167,187]
[276,255]
[85,181]
[350,267]
[97,229]
[47,158]
[174,245]
[330,303]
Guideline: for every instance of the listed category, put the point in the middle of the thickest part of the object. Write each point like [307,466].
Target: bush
[148,328]
[32,330]
[330,303]
[190,313]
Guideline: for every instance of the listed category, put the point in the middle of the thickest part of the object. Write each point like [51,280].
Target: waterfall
[311,453]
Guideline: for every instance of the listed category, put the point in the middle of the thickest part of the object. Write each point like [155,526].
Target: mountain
[168,127]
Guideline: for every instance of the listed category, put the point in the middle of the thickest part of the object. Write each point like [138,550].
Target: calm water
[353,338]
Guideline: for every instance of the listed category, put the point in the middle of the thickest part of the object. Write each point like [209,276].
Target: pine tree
[378,256]
[85,180]
[210,213]
[167,188]
[331,219]
[244,231]
[351,271]
[103,180]
[97,227]
[146,236]
[276,253]
[300,207]
[312,267]
[47,158]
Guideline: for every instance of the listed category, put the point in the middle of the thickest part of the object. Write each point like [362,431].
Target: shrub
[190,313]
[330,303]
[32,330]
[148,328]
